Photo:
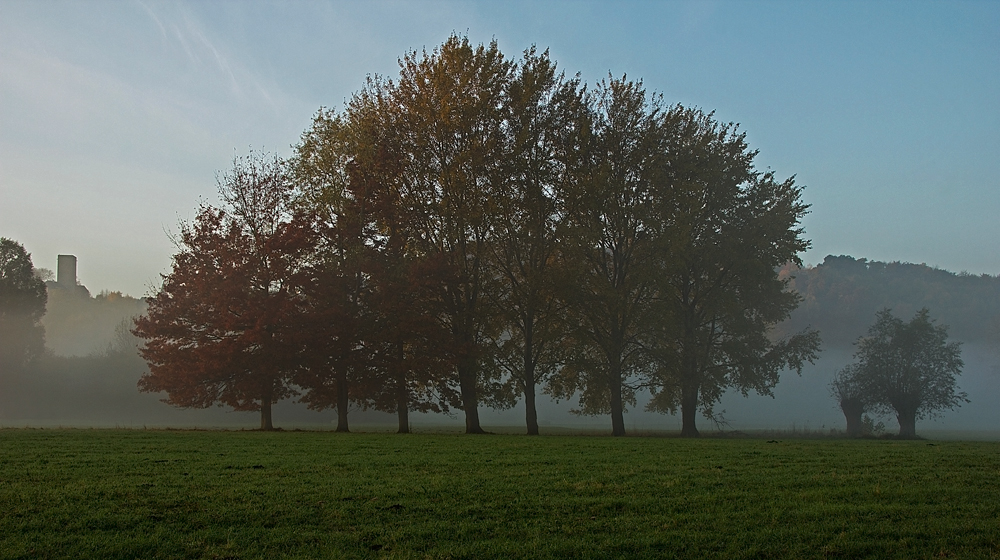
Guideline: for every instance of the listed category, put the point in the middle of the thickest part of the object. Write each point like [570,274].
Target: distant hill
[842,295]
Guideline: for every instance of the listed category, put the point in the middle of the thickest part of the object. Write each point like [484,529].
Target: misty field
[199,494]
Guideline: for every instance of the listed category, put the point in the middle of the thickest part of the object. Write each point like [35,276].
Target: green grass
[168,494]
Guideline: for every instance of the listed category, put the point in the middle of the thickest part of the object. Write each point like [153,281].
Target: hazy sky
[116,117]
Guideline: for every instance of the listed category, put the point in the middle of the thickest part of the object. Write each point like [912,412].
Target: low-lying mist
[99,390]
[89,374]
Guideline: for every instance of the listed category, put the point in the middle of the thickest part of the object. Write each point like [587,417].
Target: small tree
[849,390]
[22,304]
[909,368]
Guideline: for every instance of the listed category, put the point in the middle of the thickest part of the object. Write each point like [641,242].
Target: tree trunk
[343,400]
[907,424]
[265,406]
[530,411]
[852,412]
[689,379]
[689,409]
[470,401]
[265,414]
[403,413]
[617,407]
[402,395]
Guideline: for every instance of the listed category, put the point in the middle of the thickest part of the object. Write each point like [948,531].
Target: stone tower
[66,272]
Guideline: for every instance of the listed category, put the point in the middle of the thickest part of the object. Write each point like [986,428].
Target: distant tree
[123,342]
[76,324]
[726,230]
[224,327]
[44,274]
[909,368]
[22,305]
[852,396]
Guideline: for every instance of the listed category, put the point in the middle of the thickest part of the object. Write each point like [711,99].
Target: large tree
[408,348]
[727,229]
[446,118]
[612,247]
[545,113]
[337,287]
[909,368]
[374,296]
[22,305]
[224,327]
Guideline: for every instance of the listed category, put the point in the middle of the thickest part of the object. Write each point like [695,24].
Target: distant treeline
[841,297]
[77,324]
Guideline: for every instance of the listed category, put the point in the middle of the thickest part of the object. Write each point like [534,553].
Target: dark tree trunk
[689,409]
[265,415]
[265,408]
[530,411]
[343,401]
[402,394]
[689,379]
[470,401]
[403,413]
[853,410]
[907,424]
[617,406]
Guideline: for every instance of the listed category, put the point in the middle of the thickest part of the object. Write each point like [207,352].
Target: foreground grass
[161,494]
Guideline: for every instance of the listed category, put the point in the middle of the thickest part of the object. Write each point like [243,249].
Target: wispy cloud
[152,14]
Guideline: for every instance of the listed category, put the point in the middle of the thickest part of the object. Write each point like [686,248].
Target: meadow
[229,495]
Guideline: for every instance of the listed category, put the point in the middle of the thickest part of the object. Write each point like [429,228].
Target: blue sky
[116,117]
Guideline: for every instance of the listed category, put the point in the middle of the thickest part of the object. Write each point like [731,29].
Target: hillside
[842,295]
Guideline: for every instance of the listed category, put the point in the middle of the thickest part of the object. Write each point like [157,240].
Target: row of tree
[475,230]
[906,368]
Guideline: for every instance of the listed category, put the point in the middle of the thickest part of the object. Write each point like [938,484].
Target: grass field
[194,494]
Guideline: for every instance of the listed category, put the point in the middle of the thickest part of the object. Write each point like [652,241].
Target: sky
[117,117]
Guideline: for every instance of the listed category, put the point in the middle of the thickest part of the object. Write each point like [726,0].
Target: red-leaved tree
[224,327]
